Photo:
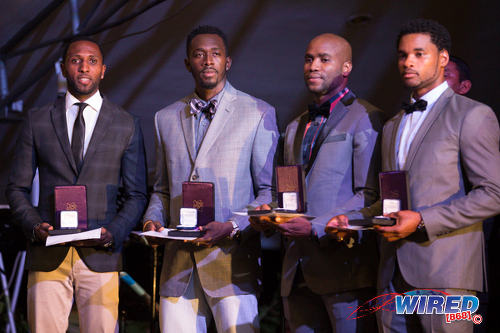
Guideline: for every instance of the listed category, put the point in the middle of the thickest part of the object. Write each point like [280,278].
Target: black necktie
[322,110]
[78,137]
[419,105]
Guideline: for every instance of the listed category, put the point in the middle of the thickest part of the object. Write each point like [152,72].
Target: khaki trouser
[50,298]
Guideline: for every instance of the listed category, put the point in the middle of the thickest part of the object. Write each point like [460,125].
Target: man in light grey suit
[230,142]
[451,153]
[336,142]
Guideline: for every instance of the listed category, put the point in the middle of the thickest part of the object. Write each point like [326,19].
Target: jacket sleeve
[480,159]
[21,177]
[133,175]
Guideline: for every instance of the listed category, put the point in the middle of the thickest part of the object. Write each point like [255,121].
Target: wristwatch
[421,225]
[235,233]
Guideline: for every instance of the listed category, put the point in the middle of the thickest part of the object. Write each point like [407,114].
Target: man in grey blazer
[336,142]
[105,154]
[451,153]
[221,135]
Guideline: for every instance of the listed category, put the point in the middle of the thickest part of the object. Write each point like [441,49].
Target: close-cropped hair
[438,33]
[203,30]
[463,68]
[66,45]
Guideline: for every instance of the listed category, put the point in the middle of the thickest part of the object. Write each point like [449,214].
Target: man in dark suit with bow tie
[336,142]
[83,139]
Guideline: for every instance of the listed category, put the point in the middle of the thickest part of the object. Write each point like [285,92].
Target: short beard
[208,85]
[74,90]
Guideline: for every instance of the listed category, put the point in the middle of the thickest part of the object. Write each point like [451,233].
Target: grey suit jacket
[236,155]
[342,177]
[115,157]
[454,180]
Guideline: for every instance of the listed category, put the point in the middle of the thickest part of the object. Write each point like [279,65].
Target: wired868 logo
[425,302]
[454,307]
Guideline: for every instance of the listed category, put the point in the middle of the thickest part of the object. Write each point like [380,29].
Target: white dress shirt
[411,123]
[90,114]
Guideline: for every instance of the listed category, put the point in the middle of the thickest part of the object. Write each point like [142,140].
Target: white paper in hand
[59,239]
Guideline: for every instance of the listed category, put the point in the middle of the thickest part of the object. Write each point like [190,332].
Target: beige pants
[50,298]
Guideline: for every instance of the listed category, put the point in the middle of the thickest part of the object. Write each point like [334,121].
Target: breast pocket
[336,138]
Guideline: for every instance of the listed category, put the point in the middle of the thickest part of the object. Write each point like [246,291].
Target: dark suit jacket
[115,157]
[342,177]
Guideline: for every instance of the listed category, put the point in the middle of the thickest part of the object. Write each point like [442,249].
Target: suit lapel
[58,115]
[436,110]
[393,165]
[298,138]
[187,121]
[338,113]
[219,121]
[104,120]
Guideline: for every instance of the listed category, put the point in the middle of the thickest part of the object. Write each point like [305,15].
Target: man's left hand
[406,224]
[214,232]
[298,227]
[105,241]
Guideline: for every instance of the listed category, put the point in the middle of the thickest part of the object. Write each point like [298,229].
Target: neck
[207,93]
[417,93]
[81,98]
[320,99]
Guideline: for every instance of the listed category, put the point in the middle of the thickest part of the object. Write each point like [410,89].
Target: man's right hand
[41,231]
[152,226]
[262,223]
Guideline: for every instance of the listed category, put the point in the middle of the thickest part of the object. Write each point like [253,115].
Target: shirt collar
[217,97]
[432,96]
[95,101]
[336,98]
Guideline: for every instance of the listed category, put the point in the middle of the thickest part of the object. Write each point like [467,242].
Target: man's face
[207,61]
[323,68]
[420,63]
[83,68]
[452,76]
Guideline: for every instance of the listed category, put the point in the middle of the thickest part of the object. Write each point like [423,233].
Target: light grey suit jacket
[454,180]
[237,155]
[342,177]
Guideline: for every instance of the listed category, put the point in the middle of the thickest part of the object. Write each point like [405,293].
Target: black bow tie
[419,105]
[322,110]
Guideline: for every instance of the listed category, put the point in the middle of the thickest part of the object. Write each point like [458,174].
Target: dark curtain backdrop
[267,42]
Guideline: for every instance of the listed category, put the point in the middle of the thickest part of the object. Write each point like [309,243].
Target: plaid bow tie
[419,105]
[199,106]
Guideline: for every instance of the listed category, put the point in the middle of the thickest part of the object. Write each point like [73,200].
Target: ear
[229,62]
[464,87]
[187,64]
[346,68]
[444,58]
[103,71]
[63,69]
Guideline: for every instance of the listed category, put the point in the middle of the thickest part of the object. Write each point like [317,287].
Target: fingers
[152,226]
[263,207]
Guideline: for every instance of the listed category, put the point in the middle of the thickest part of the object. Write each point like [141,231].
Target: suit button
[194,177]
